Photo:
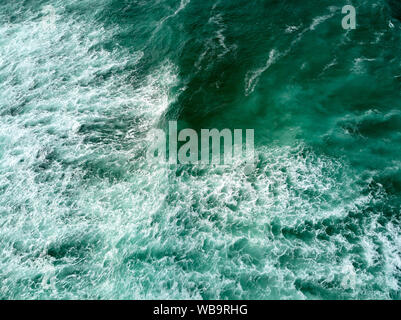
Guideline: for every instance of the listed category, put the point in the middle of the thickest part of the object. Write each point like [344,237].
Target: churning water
[82,213]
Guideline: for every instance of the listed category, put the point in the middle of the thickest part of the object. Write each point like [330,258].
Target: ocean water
[84,215]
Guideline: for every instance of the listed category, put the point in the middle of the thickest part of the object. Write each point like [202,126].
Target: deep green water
[84,215]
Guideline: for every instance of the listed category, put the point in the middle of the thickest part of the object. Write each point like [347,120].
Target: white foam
[319,20]
[252,77]
[58,85]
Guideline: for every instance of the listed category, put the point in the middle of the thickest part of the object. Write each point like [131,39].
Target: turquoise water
[84,215]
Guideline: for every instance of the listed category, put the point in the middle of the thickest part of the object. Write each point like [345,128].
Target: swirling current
[84,215]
